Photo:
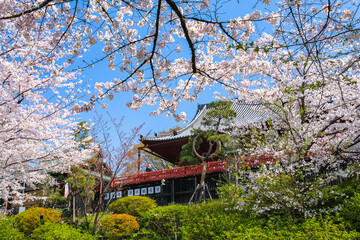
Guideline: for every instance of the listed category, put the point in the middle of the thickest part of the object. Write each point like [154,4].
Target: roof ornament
[155,134]
[175,132]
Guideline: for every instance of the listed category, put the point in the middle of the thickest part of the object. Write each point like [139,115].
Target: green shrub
[351,212]
[199,221]
[88,225]
[324,229]
[8,231]
[215,220]
[212,220]
[162,222]
[290,229]
[132,205]
[57,231]
[115,226]
[29,220]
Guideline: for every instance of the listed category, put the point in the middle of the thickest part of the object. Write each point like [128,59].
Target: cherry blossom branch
[41,5]
[186,33]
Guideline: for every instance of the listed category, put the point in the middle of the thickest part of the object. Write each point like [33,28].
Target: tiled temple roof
[247,113]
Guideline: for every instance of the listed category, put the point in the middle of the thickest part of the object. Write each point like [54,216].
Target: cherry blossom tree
[306,77]
[162,50]
[112,164]
[303,67]
[35,95]
[167,51]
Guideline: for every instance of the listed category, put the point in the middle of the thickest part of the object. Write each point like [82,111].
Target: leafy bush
[87,223]
[212,220]
[324,229]
[29,220]
[351,212]
[314,228]
[209,220]
[162,222]
[115,226]
[132,205]
[8,231]
[57,231]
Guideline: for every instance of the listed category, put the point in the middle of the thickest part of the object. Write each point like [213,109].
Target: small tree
[82,184]
[217,121]
[112,163]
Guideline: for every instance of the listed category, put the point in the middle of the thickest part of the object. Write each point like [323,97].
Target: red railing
[178,172]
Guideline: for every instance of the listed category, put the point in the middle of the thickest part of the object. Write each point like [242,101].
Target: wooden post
[74,201]
[172,191]
[138,171]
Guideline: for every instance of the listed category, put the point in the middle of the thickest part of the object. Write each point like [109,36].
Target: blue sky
[117,107]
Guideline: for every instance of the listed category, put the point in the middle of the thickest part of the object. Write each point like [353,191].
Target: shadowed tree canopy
[215,123]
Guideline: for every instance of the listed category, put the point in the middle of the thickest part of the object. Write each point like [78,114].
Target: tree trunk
[203,173]
[74,212]
[202,180]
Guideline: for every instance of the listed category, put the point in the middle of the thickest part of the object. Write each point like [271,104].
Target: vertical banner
[66,191]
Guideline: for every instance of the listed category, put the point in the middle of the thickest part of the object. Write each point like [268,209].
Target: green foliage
[291,195]
[162,222]
[29,220]
[218,220]
[203,221]
[219,114]
[230,194]
[8,231]
[81,134]
[132,205]
[187,157]
[255,138]
[54,197]
[324,229]
[87,223]
[351,212]
[116,226]
[211,221]
[348,187]
[289,229]
[82,182]
[57,231]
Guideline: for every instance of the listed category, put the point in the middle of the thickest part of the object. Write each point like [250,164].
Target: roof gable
[247,113]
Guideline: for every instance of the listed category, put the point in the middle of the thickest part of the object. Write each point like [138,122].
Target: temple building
[178,184]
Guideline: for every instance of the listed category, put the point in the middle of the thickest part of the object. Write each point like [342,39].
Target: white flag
[66,191]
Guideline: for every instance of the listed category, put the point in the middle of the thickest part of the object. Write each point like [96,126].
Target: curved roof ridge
[199,112]
[247,112]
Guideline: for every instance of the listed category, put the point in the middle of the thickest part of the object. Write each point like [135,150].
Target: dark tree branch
[41,5]
[186,32]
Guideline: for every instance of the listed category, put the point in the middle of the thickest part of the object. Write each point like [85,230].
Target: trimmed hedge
[57,231]
[116,226]
[162,222]
[213,220]
[8,231]
[132,205]
[29,220]
[311,229]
